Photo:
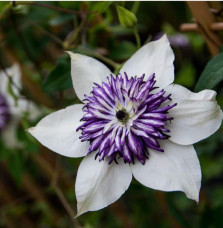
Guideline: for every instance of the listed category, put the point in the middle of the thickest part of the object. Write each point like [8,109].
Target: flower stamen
[135,127]
[122,115]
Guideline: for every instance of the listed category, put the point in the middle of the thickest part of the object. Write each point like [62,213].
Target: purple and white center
[125,118]
[4,113]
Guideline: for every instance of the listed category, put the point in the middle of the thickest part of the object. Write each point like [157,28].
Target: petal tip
[72,55]
[164,39]
[164,36]
[193,196]
[30,130]
[76,216]
[196,199]
[80,212]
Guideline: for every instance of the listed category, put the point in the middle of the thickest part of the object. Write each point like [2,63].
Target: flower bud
[126,17]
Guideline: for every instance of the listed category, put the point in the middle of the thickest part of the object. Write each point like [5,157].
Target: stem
[22,41]
[74,35]
[5,10]
[44,31]
[21,92]
[101,57]
[117,69]
[138,42]
[64,10]
[66,205]
[48,6]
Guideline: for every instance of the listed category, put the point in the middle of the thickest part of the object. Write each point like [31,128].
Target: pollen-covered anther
[126,118]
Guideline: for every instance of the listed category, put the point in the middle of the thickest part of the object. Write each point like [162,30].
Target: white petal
[15,73]
[9,134]
[196,116]
[57,132]
[155,57]
[177,169]
[18,109]
[85,71]
[99,184]
[22,105]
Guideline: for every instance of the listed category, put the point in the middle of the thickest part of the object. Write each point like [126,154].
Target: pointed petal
[177,169]
[99,184]
[85,71]
[155,57]
[57,132]
[196,116]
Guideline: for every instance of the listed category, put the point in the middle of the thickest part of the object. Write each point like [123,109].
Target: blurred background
[37,185]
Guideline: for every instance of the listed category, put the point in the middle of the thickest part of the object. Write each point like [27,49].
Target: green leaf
[15,165]
[2,5]
[186,75]
[212,74]
[122,51]
[60,77]
[61,19]
[126,17]
[101,7]
[74,5]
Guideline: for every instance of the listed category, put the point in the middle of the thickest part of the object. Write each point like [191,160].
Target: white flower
[15,110]
[195,117]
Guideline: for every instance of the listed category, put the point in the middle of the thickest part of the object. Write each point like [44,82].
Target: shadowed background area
[37,185]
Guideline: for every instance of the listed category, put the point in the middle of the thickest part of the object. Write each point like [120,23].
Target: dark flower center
[122,115]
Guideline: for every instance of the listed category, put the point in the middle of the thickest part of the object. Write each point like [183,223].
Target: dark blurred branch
[21,92]
[66,206]
[67,44]
[100,57]
[47,6]
[46,32]
[73,36]
[32,186]
[136,34]
[5,10]
[161,199]
[8,200]
[22,41]
[52,176]
[9,76]
[118,208]
[63,10]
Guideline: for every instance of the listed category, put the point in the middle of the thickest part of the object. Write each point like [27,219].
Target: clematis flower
[12,111]
[134,124]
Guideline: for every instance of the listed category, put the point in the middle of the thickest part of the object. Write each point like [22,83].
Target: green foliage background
[37,37]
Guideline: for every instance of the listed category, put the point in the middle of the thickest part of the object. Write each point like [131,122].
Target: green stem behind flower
[138,41]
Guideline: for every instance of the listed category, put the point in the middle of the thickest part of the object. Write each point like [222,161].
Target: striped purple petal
[125,118]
